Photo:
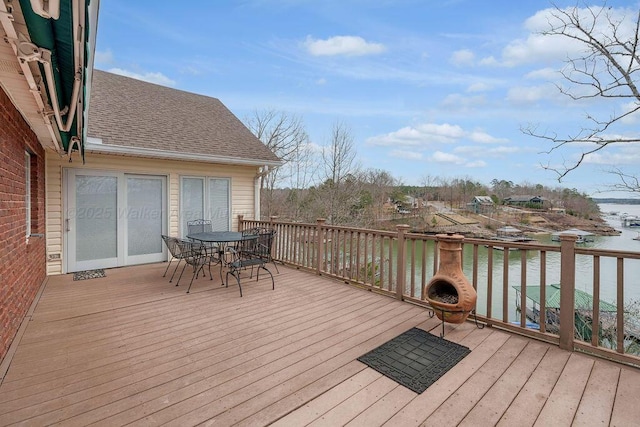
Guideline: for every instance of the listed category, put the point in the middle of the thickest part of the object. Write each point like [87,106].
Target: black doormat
[89,274]
[415,359]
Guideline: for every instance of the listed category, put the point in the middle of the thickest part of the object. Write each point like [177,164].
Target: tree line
[325,181]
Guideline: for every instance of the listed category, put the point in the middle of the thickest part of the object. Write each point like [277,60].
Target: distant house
[415,202]
[481,205]
[536,202]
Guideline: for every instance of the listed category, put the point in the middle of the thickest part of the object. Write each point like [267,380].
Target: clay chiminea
[449,292]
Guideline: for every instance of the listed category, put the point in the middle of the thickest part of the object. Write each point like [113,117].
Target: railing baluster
[423,270]
[381,268]
[620,303]
[392,264]
[489,282]
[505,285]
[412,290]
[474,277]
[595,310]
[543,291]
[523,287]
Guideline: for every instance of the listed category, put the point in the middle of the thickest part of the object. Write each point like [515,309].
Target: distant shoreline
[617,201]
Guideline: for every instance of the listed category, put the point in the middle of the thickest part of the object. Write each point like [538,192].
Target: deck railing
[400,264]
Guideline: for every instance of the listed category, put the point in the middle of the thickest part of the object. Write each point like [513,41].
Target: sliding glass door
[113,219]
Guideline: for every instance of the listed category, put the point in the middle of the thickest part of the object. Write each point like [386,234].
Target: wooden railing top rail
[468,240]
[608,253]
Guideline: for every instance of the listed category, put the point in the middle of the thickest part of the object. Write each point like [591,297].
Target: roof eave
[94,145]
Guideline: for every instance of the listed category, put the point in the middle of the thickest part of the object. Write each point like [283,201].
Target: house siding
[242,190]
[22,259]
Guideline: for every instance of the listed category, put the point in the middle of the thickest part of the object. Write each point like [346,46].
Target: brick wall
[22,262]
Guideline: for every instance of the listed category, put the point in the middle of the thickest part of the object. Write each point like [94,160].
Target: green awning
[583,301]
[56,35]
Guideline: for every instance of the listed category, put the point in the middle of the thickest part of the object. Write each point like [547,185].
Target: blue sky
[428,88]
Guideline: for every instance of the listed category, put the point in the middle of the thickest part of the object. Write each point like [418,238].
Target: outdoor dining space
[131,347]
[232,251]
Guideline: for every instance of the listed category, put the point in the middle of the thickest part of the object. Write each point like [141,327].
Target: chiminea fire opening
[443,291]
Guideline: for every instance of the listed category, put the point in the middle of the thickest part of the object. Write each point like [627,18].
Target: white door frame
[69,227]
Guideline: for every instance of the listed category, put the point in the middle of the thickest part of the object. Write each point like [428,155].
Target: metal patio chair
[175,253]
[252,255]
[199,226]
[203,226]
[195,255]
[266,236]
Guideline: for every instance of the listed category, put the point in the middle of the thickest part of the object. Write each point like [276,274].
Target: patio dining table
[221,240]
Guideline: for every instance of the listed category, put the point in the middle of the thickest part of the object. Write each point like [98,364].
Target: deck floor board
[132,348]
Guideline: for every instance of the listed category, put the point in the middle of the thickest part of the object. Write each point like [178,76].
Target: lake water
[584,267]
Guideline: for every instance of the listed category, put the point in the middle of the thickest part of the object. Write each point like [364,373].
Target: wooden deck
[133,348]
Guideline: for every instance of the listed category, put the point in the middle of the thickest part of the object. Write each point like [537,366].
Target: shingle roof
[484,199]
[524,198]
[131,113]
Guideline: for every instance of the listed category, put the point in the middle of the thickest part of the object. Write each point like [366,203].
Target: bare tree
[626,182]
[339,164]
[284,134]
[608,68]
[302,169]
[379,185]
[339,156]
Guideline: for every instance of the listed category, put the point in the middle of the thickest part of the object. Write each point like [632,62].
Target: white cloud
[504,150]
[462,58]
[612,159]
[441,157]
[321,81]
[104,57]
[431,133]
[634,117]
[489,61]
[484,138]
[458,102]
[419,136]
[191,69]
[157,78]
[408,155]
[478,87]
[480,151]
[537,47]
[547,74]
[476,164]
[342,45]
[529,94]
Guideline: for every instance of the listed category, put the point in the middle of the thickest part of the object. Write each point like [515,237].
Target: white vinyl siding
[241,181]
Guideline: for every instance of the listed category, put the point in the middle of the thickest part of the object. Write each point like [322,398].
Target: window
[27,192]
[205,198]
